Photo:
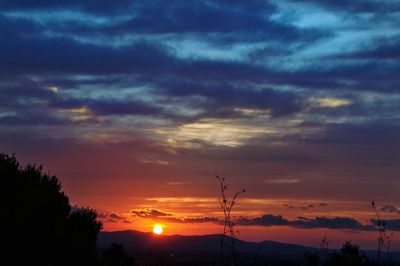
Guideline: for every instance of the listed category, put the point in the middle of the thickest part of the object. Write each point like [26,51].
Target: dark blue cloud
[109,106]
[181,62]
[302,222]
[42,55]
[32,118]
[332,223]
[116,107]
[226,97]
[95,6]
[390,225]
[14,92]
[265,220]
[29,51]
[171,17]
[150,213]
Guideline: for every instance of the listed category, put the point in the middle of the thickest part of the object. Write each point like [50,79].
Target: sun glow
[158,229]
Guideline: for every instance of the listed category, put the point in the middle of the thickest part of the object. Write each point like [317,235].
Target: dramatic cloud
[265,220]
[332,223]
[296,101]
[302,222]
[201,220]
[150,213]
[115,216]
[390,225]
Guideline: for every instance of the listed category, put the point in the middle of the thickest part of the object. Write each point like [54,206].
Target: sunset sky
[136,106]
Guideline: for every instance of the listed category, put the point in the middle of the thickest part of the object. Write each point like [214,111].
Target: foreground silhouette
[350,254]
[40,227]
[116,256]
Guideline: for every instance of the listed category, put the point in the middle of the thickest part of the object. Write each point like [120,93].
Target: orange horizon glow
[176,224]
[283,234]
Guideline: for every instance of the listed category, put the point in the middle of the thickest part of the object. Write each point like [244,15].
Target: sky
[136,106]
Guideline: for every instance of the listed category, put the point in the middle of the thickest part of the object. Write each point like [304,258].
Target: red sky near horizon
[150,193]
[137,106]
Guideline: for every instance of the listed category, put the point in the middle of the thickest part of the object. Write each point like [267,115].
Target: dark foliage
[116,256]
[350,254]
[40,227]
[312,259]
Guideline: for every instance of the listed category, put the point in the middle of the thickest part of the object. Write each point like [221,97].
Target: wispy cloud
[329,102]
[282,181]
[156,94]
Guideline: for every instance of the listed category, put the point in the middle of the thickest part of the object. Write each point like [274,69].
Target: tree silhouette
[40,226]
[81,236]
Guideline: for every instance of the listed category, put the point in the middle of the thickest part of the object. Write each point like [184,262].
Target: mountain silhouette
[136,242]
[206,247]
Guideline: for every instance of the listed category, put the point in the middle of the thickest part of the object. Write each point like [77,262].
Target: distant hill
[136,242]
[207,247]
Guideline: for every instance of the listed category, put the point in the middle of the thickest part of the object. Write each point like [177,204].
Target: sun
[158,229]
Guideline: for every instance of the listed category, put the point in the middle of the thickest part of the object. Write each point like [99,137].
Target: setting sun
[208,132]
[158,229]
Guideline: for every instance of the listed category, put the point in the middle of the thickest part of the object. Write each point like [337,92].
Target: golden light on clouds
[253,111]
[79,110]
[80,113]
[224,132]
[75,114]
[329,102]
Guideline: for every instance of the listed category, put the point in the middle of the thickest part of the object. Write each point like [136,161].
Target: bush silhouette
[350,254]
[116,256]
[41,227]
[312,259]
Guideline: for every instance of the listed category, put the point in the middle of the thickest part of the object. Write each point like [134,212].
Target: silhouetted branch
[384,240]
[227,206]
